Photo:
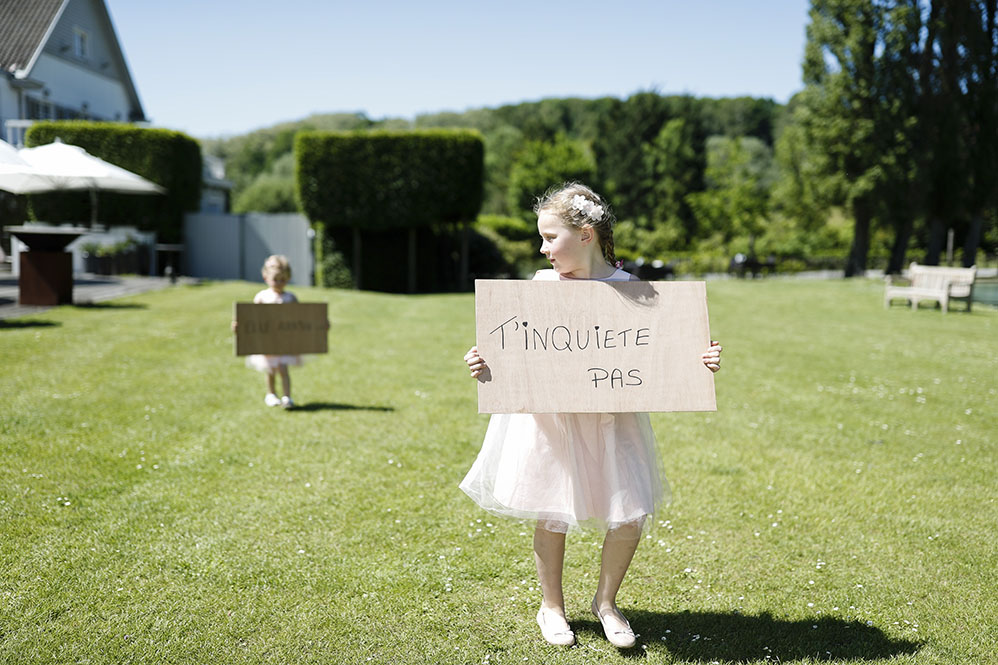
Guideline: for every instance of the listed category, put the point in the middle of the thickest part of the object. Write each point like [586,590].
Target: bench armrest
[969,286]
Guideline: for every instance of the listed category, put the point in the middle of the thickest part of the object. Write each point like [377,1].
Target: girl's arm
[475,363]
[712,358]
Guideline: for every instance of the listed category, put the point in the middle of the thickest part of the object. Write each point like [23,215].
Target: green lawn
[840,506]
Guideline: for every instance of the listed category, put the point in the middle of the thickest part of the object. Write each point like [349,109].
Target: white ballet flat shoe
[620,638]
[552,633]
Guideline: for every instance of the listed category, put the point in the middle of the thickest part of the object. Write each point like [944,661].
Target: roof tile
[23,25]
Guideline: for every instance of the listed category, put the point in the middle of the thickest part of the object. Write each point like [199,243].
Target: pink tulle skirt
[262,363]
[569,470]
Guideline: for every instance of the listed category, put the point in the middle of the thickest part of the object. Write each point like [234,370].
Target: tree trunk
[412,259]
[856,263]
[973,239]
[463,276]
[937,240]
[900,248]
[356,258]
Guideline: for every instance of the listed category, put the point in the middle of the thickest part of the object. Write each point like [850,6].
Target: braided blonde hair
[577,205]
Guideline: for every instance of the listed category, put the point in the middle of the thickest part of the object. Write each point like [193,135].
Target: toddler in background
[276,274]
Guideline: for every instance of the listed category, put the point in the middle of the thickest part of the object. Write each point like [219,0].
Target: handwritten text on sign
[592,347]
[278,330]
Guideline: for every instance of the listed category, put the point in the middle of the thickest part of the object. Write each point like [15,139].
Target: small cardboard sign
[592,347]
[277,330]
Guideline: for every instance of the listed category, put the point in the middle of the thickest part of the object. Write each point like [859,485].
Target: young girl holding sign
[276,274]
[572,470]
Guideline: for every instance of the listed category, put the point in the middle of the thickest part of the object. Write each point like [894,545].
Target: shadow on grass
[110,305]
[331,406]
[739,638]
[26,323]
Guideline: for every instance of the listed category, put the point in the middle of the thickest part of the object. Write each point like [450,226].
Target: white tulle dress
[263,363]
[569,470]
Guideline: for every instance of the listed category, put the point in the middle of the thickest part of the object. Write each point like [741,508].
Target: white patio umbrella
[71,167]
[60,166]
[19,177]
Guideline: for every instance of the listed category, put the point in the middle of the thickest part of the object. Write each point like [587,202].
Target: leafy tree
[739,178]
[739,116]
[899,138]
[674,164]
[267,193]
[980,83]
[838,109]
[271,191]
[900,114]
[800,193]
[943,173]
[624,129]
[541,164]
[501,147]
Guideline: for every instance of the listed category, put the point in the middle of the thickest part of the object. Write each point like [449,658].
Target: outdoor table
[46,268]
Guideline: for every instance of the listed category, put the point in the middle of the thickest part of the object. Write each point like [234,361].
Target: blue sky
[226,67]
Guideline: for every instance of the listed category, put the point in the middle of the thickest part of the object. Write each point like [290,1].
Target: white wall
[220,246]
[212,200]
[71,85]
[8,104]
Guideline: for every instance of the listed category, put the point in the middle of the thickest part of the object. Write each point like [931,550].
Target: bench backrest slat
[937,278]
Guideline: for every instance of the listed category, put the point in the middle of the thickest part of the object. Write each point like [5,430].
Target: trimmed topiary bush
[379,181]
[359,185]
[168,158]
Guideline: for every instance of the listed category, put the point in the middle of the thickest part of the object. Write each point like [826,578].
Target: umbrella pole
[93,207]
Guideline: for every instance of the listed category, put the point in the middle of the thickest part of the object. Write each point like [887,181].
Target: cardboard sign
[278,330]
[592,347]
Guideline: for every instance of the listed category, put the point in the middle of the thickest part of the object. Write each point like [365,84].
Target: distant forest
[691,179]
[656,158]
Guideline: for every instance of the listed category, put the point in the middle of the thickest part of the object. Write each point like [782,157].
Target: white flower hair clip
[587,207]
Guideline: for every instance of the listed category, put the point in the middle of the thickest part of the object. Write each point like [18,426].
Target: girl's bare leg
[270,383]
[549,555]
[285,379]
[618,550]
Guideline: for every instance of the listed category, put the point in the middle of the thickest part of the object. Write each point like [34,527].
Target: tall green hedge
[166,157]
[379,181]
[362,189]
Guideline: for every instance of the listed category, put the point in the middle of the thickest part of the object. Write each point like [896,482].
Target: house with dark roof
[60,60]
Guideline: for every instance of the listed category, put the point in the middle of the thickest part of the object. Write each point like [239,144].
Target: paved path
[87,289]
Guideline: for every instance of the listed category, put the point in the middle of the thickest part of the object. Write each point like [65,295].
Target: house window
[81,43]
[37,109]
[65,113]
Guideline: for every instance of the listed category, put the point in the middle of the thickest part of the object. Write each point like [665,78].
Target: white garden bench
[937,283]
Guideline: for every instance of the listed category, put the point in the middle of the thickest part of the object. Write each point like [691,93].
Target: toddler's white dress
[569,470]
[259,361]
